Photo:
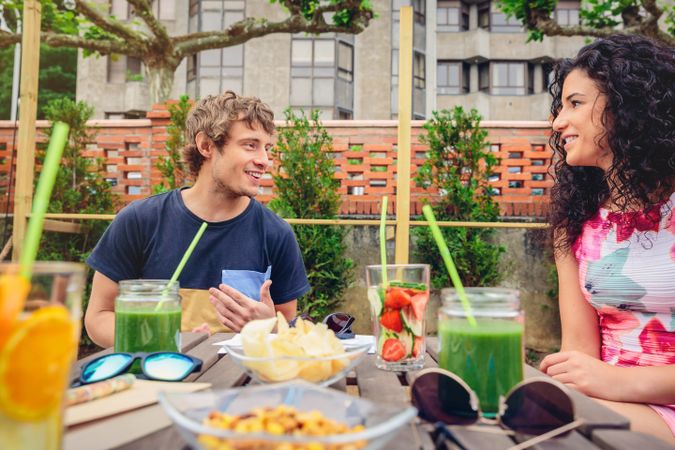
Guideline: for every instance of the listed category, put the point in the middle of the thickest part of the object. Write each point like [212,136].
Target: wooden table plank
[223,374]
[381,386]
[165,439]
[474,438]
[571,441]
[627,440]
[190,340]
[207,352]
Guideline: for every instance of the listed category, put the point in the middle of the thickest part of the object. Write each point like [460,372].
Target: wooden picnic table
[602,428]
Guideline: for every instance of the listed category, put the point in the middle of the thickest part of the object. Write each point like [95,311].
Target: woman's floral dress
[627,272]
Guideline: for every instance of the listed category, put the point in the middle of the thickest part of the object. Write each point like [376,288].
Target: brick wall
[364,153]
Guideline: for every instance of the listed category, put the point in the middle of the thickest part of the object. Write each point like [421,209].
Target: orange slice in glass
[13,292]
[35,364]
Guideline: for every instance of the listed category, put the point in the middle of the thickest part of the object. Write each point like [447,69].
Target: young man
[247,264]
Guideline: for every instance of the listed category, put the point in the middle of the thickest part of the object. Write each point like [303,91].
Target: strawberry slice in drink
[396,298]
[393,350]
[418,304]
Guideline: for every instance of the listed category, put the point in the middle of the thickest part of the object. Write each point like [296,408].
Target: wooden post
[404,114]
[25,162]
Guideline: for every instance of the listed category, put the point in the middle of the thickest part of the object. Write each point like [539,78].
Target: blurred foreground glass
[488,356]
[37,349]
[397,312]
[147,317]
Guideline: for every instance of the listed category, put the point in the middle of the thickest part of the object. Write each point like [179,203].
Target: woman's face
[579,122]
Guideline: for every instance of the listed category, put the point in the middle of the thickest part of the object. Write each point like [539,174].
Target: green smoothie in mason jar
[488,356]
[147,317]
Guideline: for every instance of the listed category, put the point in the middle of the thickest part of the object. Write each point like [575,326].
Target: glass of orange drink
[39,334]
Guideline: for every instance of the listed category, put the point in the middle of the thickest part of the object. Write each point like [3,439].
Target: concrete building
[465,53]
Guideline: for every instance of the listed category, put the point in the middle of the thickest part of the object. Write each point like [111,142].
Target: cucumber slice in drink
[384,335]
[411,323]
[376,301]
[408,341]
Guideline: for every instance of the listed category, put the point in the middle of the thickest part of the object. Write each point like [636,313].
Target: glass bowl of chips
[308,351]
[258,417]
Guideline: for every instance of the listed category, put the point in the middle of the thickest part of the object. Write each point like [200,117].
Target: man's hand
[584,373]
[234,309]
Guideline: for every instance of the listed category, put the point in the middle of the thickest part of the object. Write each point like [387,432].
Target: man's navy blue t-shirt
[148,238]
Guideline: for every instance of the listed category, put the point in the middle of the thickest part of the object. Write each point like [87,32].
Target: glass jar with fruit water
[398,298]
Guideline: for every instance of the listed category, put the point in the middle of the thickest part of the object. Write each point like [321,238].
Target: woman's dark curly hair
[637,75]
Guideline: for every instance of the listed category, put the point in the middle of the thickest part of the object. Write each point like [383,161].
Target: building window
[452,16]
[217,70]
[322,72]
[530,78]
[164,9]
[419,70]
[566,17]
[345,61]
[345,115]
[508,78]
[484,15]
[120,9]
[419,11]
[191,67]
[484,77]
[452,77]
[499,23]
[547,74]
[122,68]
[133,68]
[194,7]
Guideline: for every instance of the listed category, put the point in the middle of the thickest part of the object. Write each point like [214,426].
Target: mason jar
[147,316]
[488,353]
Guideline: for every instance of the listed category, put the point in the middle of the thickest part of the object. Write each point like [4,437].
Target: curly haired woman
[614,227]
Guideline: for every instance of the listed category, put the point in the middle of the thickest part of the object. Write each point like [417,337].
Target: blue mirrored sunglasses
[161,366]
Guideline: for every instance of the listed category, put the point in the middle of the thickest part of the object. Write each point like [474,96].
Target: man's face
[239,166]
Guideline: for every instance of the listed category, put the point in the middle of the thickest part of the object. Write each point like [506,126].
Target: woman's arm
[578,318]
[595,378]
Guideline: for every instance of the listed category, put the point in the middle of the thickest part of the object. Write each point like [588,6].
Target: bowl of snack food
[291,415]
[307,351]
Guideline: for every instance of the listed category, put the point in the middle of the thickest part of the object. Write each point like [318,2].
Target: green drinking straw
[449,265]
[182,262]
[383,241]
[42,194]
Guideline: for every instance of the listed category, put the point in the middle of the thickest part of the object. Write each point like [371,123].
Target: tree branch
[250,28]
[652,8]
[107,24]
[143,9]
[7,38]
[104,47]
[540,20]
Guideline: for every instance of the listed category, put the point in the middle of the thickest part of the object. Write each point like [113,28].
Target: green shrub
[173,168]
[459,165]
[306,189]
[79,188]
